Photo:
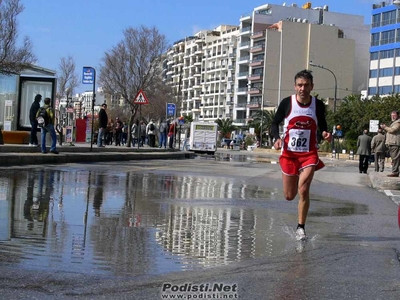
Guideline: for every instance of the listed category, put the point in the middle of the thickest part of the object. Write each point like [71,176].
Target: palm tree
[225,127]
[266,116]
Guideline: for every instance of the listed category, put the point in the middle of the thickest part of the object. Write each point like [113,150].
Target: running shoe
[301,234]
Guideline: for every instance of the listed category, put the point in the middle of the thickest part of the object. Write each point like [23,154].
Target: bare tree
[134,64]
[67,80]
[13,59]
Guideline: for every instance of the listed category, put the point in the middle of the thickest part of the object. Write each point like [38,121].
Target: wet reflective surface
[102,221]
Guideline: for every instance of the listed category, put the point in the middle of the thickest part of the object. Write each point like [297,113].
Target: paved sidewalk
[14,155]
[379,180]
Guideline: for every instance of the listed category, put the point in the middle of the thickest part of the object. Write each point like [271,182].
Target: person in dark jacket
[103,121]
[364,151]
[33,140]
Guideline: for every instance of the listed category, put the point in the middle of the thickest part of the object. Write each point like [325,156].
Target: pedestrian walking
[379,150]
[302,114]
[393,142]
[364,151]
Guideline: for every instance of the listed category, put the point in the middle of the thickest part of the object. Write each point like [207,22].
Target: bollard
[351,154]
[333,153]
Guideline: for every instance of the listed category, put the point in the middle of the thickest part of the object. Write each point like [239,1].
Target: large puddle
[136,223]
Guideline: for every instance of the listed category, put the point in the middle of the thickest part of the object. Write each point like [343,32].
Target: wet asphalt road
[121,231]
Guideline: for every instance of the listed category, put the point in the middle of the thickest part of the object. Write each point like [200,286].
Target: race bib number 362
[299,140]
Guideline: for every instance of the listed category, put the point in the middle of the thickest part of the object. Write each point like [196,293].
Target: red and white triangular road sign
[141,98]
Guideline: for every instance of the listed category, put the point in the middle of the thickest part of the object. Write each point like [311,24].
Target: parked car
[225,143]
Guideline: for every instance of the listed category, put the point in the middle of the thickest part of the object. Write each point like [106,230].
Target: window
[387,37]
[375,39]
[384,90]
[389,17]
[376,19]
[386,72]
[397,52]
[397,89]
[372,91]
[375,55]
[373,73]
[387,54]
[397,71]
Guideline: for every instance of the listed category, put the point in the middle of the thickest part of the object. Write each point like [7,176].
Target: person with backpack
[163,133]
[151,133]
[33,140]
[45,118]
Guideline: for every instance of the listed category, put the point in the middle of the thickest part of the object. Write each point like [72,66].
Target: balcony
[244,59]
[256,62]
[245,30]
[255,77]
[257,48]
[244,45]
[253,105]
[257,35]
[254,91]
[239,121]
[243,75]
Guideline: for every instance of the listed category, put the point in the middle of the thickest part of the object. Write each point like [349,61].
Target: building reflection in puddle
[131,223]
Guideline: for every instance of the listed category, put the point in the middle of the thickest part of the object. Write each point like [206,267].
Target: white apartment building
[231,72]
[197,68]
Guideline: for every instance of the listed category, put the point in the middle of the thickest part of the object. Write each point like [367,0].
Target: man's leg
[395,155]
[305,179]
[365,163]
[381,161]
[360,163]
[53,137]
[43,146]
[290,186]
[100,137]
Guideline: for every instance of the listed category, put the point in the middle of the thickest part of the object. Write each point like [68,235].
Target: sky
[87,29]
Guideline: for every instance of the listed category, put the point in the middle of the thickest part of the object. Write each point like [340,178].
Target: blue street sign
[171,108]
[88,75]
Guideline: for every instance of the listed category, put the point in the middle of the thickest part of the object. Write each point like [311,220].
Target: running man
[302,115]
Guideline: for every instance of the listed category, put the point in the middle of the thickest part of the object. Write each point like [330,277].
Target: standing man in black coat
[33,141]
[103,121]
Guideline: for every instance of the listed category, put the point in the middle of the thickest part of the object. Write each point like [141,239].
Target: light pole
[262,110]
[335,97]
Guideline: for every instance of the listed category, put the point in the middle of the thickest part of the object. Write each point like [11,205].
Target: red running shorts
[293,165]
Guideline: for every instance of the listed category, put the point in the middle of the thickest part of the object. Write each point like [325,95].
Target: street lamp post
[335,97]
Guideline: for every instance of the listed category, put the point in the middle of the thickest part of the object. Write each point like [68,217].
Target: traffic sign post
[171,110]
[141,98]
[89,77]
